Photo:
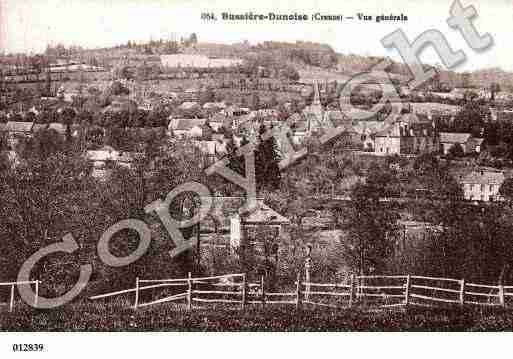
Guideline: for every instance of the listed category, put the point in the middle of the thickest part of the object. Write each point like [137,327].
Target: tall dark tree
[267,161]
[370,226]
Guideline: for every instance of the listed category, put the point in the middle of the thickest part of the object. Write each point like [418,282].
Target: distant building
[468,143]
[482,185]
[226,216]
[314,113]
[196,61]
[187,128]
[410,135]
[104,159]
[213,149]
[16,131]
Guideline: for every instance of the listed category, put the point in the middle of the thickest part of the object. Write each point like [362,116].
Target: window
[482,187]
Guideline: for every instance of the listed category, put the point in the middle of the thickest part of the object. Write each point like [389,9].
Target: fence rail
[12,286]
[381,290]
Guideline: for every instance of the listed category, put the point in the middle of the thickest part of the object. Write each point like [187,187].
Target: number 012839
[28,347]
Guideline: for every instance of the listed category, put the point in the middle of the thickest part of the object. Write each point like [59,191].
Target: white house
[482,185]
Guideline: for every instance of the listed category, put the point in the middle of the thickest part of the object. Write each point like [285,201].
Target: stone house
[482,185]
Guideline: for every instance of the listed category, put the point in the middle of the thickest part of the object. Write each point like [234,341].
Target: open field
[89,316]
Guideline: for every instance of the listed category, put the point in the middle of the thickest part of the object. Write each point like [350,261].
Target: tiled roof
[60,128]
[187,124]
[446,137]
[39,126]
[13,126]
[224,208]
[391,131]
[483,177]
[189,105]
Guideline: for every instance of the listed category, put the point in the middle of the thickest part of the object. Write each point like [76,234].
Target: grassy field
[90,316]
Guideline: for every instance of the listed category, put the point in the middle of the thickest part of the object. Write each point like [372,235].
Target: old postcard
[185,166]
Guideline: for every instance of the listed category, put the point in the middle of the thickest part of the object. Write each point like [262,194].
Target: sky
[29,25]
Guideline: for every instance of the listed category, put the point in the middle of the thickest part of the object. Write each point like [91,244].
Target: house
[105,158]
[214,105]
[227,216]
[196,61]
[39,127]
[190,128]
[17,130]
[482,185]
[58,127]
[190,106]
[388,141]
[233,110]
[465,140]
[213,149]
[411,134]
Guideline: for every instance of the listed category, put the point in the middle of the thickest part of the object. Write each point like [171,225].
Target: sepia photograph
[280,166]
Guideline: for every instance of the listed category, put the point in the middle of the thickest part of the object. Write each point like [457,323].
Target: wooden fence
[12,286]
[376,290]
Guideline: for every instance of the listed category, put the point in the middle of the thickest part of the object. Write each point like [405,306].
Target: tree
[44,144]
[207,96]
[255,101]
[507,189]
[370,227]
[42,199]
[273,101]
[290,73]
[267,160]
[494,88]
[474,243]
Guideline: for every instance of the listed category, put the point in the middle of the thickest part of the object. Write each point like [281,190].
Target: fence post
[351,291]
[37,293]
[501,296]
[189,292]
[243,302]
[11,306]
[298,291]
[308,265]
[407,290]
[262,286]
[136,302]
[462,292]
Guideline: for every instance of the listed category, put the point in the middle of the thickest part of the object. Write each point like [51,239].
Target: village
[90,137]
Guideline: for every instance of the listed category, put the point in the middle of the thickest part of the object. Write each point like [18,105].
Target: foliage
[267,161]
[370,226]
[507,189]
